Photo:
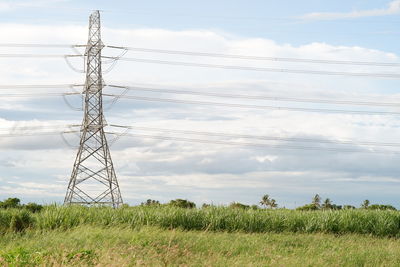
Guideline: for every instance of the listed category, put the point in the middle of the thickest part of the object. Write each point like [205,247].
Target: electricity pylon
[93,180]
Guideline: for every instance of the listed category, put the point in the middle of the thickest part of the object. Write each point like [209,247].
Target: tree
[10,203]
[327,204]
[316,201]
[273,204]
[268,202]
[151,202]
[265,200]
[365,204]
[182,203]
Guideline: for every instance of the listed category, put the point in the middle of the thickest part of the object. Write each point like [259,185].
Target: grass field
[214,236]
[151,246]
[382,223]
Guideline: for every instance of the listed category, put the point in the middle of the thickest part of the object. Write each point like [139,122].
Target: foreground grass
[151,246]
[371,222]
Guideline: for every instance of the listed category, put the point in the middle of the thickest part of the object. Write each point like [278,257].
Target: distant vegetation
[15,203]
[327,204]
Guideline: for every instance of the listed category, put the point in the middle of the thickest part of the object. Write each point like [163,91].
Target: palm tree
[316,201]
[268,202]
[265,201]
[273,204]
[327,204]
[365,204]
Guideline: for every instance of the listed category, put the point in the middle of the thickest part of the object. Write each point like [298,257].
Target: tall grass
[374,222]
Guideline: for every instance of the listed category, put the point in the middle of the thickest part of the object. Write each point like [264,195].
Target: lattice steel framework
[93,180]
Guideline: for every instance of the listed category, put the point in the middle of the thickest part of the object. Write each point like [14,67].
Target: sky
[38,167]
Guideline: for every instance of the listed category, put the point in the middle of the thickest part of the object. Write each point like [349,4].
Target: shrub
[10,203]
[151,202]
[182,203]
[381,207]
[239,205]
[254,207]
[20,221]
[312,206]
[33,207]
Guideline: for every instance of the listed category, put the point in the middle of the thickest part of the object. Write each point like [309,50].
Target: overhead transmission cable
[232,105]
[38,86]
[35,127]
[256,145]
[40,55]
[30,134]
[37,95]
[265,58]
[259,137]
[40,45]
[256,97]
[34,130]
[263,69]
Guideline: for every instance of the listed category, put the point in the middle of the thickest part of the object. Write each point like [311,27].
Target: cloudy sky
[36,167]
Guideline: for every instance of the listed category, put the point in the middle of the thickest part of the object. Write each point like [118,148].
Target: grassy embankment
[157,236]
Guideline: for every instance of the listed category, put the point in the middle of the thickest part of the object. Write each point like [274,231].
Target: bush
[182,203]
[254,207]
[33,207]
[336,207]
[308,207]
[381,207]
[20,221]
[237,205]
[150,202]
[10,203]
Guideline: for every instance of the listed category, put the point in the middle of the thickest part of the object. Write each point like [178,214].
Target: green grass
[152,246]
[215,236]
[371,222]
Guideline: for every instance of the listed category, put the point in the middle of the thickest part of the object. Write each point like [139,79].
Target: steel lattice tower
[93,180]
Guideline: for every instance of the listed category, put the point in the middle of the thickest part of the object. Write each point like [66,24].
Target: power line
[38,86]
[35,127]
[34,134]
[268,138]
[256,145]
[285,59]
[257,97]
[38,95]
[38,56]
[263,69]
[40,45]
[207,103]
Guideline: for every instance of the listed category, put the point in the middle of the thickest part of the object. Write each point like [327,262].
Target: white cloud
[393,8]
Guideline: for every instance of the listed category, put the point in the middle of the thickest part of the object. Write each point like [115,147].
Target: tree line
[266,202]
[269,203]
